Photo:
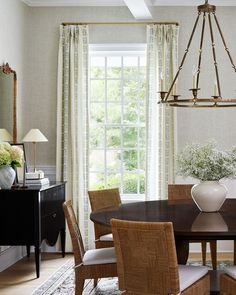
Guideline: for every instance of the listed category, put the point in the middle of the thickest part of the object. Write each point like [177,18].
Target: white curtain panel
[72,121]
[162,57]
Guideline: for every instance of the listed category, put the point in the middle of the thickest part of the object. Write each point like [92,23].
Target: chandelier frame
[216,100]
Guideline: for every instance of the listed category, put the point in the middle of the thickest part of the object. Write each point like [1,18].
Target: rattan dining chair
[103,200]
[181,193]
[228,281]
[147,261]
[91,264]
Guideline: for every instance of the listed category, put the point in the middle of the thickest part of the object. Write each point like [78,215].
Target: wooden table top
[188,221]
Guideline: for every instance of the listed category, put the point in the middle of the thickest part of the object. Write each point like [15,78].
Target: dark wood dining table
[188,222]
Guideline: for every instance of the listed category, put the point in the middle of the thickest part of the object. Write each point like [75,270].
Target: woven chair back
[146,257]
[102,200]
[179,192]
[76,238]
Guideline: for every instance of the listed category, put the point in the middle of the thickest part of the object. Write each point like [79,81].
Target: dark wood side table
[30,215]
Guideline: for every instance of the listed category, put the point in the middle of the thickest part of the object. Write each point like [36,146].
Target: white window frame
[119,50]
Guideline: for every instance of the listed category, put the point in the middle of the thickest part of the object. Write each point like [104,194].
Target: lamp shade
[34,135]
[5,135]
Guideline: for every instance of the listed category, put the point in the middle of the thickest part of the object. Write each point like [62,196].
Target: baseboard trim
[10,256]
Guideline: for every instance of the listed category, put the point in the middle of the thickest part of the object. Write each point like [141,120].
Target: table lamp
[34,136]
[5,135]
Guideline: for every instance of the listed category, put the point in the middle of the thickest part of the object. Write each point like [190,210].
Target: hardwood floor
[20,278]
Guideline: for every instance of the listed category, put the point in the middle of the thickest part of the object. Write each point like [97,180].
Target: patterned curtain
[162,56]
[72,120]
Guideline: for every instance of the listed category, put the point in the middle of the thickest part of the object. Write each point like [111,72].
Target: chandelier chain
[184,57]
[225,45]
[214,55]
[200,49]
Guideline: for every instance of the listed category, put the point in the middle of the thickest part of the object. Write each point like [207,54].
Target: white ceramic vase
[7,177]
[209,196]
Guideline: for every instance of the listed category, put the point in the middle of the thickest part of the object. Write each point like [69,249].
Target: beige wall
[13,14]
[30,45]
[41,85]
[41,67]
[12,27]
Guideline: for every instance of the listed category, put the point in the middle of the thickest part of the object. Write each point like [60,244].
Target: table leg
[37,260]
[215,281]
[182,249]
[28,250]
[63,241]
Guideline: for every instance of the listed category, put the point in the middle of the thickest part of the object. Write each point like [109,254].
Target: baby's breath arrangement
[205,162]
[10,155]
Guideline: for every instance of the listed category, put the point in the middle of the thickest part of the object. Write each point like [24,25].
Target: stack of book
[40,181]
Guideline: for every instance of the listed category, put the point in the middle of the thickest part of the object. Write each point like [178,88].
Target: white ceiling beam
[139,9]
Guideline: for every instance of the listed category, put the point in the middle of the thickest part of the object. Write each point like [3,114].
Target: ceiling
[140,9]
[122,2]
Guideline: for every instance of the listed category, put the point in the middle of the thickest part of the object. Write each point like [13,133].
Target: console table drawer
[52,200]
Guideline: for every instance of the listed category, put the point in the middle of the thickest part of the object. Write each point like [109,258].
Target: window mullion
[122,127]
[126,71]
[105,121]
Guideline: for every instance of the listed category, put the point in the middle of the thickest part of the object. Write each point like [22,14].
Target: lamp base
[34,175]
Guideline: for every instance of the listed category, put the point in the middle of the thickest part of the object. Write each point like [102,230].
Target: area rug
[62,282]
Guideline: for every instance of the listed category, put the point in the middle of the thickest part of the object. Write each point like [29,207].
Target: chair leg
[213,247]
[79,285]
[203,252]
[234,252]
[95,282]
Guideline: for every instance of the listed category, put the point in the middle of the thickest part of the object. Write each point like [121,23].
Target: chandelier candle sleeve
[194,72]
[215,89]
[162,83]
[174,89]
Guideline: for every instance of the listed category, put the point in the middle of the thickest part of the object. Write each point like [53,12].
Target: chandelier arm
[214,55]
[225,45]
[185,54]
[200,49]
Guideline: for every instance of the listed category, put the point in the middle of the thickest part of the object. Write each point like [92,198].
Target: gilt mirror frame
[6,69]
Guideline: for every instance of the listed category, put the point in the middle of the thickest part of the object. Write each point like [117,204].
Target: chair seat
[188,275]
[231,271]
[107,237]
[99,256]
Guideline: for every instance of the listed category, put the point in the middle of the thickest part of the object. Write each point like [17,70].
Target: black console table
[30,215]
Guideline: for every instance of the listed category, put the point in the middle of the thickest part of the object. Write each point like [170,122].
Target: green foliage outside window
[117,125]
[130,183]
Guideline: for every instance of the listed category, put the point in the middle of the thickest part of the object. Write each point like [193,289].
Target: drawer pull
[54,215]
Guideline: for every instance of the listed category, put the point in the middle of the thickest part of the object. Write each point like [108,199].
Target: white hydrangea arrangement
[205,162]
[10,155]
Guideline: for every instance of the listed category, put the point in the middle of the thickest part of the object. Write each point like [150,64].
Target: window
[117,120]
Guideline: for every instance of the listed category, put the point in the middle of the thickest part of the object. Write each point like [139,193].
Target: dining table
[189,223]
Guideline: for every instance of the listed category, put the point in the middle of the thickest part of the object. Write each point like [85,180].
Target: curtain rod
[121,23]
